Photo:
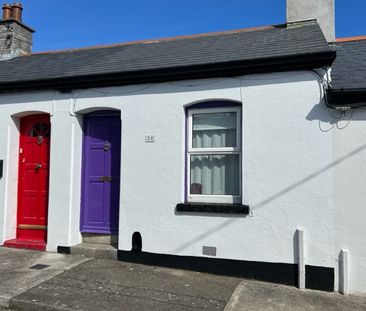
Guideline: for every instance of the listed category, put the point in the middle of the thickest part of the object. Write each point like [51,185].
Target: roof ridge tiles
[351,39]
[167,39]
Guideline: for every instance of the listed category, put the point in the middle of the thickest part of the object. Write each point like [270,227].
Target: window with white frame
[214,155]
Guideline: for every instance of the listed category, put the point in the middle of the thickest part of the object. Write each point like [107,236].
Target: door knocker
[107,146]
[39,140]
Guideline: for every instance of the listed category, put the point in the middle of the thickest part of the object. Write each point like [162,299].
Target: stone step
[97,238]
[38,245]
[95,250]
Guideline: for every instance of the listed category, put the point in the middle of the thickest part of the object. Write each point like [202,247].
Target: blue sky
[113,21]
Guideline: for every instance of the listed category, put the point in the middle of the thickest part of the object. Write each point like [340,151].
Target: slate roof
[349,68]
[241,49]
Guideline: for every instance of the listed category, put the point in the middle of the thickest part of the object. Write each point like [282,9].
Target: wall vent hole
[136,242]
[209,250]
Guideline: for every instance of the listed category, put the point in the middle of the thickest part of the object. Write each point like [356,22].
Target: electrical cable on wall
[196,85]
[74,97]
[344,112]
[325,83]
[106,93]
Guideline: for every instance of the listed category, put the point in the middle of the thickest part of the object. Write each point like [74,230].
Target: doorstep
[38,245]
[95,250]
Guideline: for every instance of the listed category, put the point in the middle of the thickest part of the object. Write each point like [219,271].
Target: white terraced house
[238,153]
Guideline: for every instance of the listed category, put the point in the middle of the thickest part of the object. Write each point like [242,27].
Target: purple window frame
[201,105]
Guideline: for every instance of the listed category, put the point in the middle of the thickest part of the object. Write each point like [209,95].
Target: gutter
[212,70]
[346,98]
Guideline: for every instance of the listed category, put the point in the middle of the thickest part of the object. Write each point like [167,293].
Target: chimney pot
[7,11]
[17,9]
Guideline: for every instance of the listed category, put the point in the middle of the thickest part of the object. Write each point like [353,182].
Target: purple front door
[101,173]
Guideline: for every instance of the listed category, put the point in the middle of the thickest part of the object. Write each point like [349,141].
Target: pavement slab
[112,285]
[259,296]
[17,274]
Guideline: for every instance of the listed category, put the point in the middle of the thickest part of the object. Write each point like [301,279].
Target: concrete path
[112,285]
[17,274]
[259,296]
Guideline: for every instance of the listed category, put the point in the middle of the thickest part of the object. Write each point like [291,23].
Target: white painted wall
[289,176]
[65,176]
[12,108]
[350,194]
[278,144]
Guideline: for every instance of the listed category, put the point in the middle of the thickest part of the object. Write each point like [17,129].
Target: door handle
[105,178]
[38,166]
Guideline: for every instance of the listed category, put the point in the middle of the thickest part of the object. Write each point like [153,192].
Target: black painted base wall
[64,250]
[320,278]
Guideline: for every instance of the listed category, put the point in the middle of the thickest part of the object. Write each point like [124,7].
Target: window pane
[40,129]
[215,174]
[212,130]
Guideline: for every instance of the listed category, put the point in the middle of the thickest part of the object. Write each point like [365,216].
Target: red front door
[34,150]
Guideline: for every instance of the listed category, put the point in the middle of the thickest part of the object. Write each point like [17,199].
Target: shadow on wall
[308,178]
[329,118]
[320,112]
[159,88]
[272,198]
[327,115]
[204,235]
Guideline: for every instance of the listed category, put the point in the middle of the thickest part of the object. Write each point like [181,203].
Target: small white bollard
[301,257]
[344,272]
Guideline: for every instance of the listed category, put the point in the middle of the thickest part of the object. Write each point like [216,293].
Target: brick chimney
[321,10]
[15,38]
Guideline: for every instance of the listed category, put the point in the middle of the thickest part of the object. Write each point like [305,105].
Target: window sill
[216,208]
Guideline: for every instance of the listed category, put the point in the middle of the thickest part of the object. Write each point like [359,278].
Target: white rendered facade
[299,169]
